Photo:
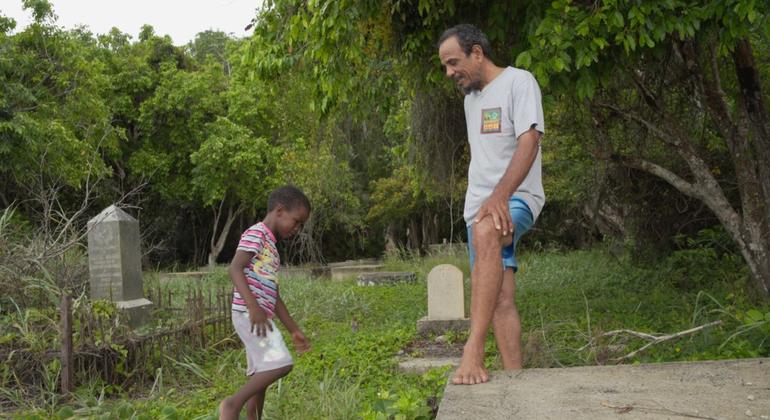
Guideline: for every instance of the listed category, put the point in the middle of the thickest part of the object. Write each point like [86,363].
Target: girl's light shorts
[262,353]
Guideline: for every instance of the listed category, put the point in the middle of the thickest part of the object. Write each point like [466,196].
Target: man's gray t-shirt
[496,116]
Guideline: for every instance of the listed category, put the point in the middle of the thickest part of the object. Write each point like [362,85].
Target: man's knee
[485,235]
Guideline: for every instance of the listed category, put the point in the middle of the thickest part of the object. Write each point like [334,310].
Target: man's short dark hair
[468,36]
[289,196]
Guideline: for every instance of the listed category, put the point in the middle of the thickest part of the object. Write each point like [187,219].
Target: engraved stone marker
[114,262]
[446,301]
[445,293]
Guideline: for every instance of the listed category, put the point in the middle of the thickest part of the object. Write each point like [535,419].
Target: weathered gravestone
[383,278]
[114,263]
[446,302]
[341,272]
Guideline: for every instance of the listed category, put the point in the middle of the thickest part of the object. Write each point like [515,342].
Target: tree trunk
[391,239]
[752,102]
[413,235]
[749,229]
[218,239]
[429,228]
[755,252]
[606,219]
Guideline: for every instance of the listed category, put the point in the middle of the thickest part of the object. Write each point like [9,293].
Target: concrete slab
[348,263]
[734,389]
[136,311]
[422,365]
[320,272]
[427,326]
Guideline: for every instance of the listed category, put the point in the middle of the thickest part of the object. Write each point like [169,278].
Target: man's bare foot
[226,410]
[471,370]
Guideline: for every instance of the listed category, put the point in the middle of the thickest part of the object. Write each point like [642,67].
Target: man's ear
[477,51]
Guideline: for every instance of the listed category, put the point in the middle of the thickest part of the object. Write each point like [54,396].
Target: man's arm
[518,168]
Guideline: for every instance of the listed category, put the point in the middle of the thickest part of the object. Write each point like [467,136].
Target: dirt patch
[431,348]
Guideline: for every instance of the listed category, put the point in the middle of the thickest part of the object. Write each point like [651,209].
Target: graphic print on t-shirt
[490,120]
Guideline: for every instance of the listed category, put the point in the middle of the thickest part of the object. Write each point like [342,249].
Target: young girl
[256,301]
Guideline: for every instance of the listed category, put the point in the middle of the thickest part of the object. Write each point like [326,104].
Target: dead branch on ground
[652,338]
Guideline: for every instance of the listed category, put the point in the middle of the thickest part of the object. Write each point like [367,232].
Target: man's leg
[486,280]
[506,323]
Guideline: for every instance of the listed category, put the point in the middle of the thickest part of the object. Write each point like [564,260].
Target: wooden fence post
[67,377]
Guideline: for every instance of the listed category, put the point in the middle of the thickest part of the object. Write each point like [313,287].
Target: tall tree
[55,125]
[233,170]
[683,78]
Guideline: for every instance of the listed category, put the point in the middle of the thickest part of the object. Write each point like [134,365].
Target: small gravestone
[386,278]
[114,263]
[446,302]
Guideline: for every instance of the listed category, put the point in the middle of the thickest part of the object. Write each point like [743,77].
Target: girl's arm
[300,341]
[257,315]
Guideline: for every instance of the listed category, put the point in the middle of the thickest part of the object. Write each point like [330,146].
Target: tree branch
[666,137]
[662,338]
[675,180]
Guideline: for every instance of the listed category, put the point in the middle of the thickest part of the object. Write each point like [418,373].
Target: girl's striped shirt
[261,272]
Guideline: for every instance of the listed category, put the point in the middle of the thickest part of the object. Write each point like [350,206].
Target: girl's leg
[231,407]
[255,405]
[260,403]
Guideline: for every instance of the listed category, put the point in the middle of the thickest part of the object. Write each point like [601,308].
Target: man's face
[464,69]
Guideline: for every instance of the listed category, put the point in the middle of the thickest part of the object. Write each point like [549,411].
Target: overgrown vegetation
[567,301]
[656,176]
[347,100]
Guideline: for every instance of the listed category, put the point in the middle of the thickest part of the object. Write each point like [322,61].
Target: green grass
[566,300]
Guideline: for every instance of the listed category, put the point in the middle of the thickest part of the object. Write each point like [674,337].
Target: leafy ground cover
[568,301]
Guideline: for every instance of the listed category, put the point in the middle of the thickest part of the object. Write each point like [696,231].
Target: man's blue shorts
[521,216]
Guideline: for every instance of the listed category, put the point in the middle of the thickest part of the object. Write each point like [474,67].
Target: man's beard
[472,87]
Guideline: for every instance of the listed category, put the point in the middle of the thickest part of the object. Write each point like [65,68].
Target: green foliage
[232,162]
[709,256]
[395,197]
[579,45]
[54,120]
[326,180]
[310,34]
[174,120]
[410,403]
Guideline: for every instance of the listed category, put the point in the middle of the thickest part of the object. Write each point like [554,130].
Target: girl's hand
[259,324]
[300,341]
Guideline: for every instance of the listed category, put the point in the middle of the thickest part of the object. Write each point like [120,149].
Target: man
[504,116]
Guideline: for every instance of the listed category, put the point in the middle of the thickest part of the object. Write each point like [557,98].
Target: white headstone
[446,298]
